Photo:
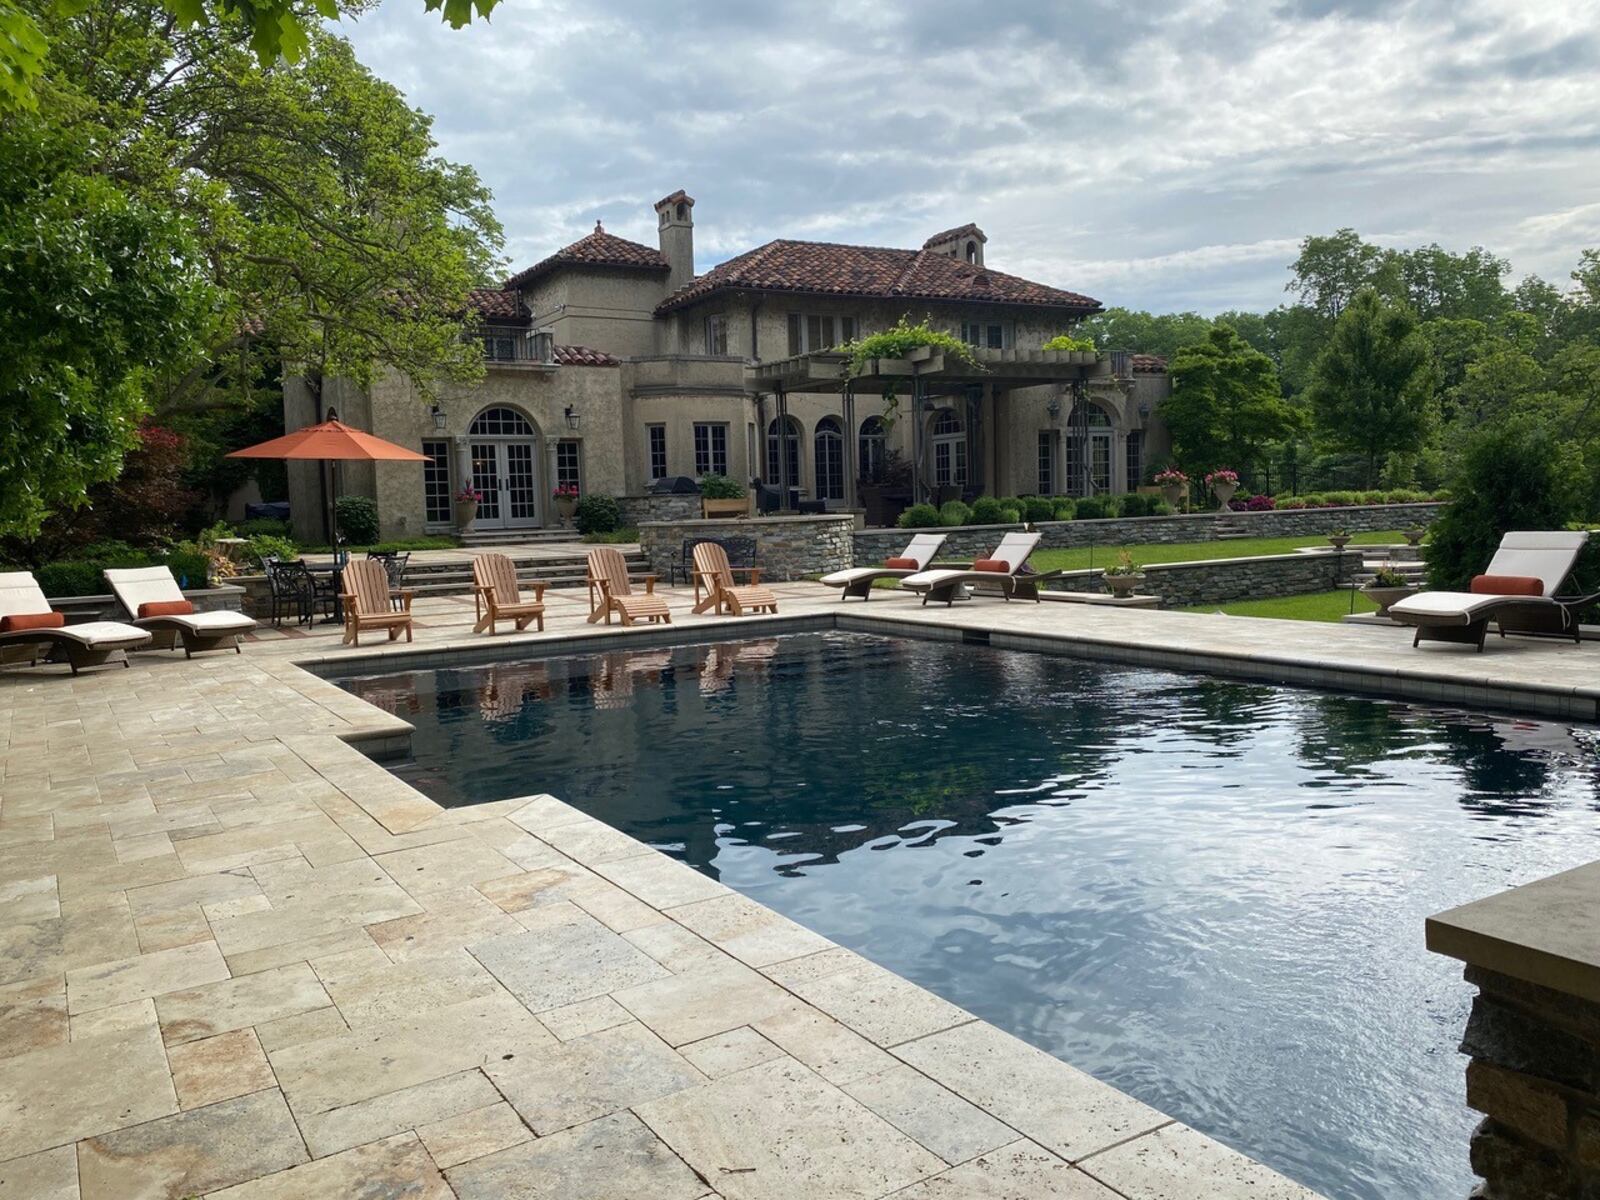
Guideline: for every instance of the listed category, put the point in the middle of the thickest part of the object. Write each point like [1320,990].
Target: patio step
[567,570]
[1229,528]
[516,537]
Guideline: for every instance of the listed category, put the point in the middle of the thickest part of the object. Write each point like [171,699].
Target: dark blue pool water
[1209,894]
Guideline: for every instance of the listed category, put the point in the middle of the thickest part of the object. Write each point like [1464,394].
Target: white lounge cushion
[1545,555]
[1466,606]
[105,635]
[20,595]
[851,574]
[928,579]
[210,624]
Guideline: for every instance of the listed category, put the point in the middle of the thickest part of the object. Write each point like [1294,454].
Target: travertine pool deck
[239,958]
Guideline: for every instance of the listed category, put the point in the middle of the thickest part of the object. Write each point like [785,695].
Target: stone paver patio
[240,959]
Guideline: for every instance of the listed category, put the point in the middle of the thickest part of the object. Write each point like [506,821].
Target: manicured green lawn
[1314,606]
[1077,559]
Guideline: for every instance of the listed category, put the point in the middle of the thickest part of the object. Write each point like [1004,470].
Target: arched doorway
[1089,438]
[790,443]
[949,450]
[828,450]
[505,468]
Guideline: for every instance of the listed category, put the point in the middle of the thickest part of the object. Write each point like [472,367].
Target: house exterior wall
[608,309]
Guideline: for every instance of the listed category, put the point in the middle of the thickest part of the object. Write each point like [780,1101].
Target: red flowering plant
[565,491]
[469,495]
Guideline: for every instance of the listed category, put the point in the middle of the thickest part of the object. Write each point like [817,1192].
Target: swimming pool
[1208,893]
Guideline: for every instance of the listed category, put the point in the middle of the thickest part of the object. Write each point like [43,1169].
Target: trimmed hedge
[357,518]
[599,514]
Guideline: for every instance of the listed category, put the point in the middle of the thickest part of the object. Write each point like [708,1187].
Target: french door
[506,474]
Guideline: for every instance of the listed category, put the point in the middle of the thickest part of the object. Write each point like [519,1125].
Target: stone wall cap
[734,524]
[1545,932]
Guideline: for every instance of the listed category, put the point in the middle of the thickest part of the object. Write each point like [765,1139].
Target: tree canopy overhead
[302,206]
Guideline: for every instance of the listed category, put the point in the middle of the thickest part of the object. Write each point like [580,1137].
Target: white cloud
[1158,155]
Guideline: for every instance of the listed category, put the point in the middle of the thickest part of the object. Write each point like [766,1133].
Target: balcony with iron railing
[515,345]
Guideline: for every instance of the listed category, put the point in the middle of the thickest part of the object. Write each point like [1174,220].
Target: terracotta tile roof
[1148,364]
[599,249]
[679,195]
[827,269]
[582,356]
[498,304]
[950,235]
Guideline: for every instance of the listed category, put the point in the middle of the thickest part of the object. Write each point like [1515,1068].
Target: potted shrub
[1339,538]
[1387,587]
[722,497]
[1123,577]
[566,497]
[1172,483]
[1223,483]
[466,507]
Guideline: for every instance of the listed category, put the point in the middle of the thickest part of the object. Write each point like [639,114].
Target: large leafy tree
[1143,332]
[1226,405]
[1372,388]
[306,199]
[104,298]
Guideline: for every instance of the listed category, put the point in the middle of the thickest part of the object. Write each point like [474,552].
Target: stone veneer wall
[636,510]
[874,545]
[786,547]
[105,608]
[1219,580]
[1534,1071]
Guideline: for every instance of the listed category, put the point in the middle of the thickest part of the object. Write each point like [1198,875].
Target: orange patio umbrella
[331,441]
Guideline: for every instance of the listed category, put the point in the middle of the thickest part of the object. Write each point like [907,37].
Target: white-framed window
[986,335]
[819,331]
[1096,453]
[871,446]
[791,451]
[436,498]
[569,471]
[710,448]
[1047,462]
[1135,458]
[655,437]
[949,450]
[828,449]
[717,334]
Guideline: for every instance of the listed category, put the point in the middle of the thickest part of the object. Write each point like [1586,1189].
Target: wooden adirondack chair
[497,595]
[368,604]
[712,572]
[610,590]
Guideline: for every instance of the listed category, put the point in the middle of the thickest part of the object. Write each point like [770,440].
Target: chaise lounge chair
[29,629]
[712,572]
[858,581]
[368,602]
[154,601]
[497,595]
[998,570]
[1517,592]
[611,591]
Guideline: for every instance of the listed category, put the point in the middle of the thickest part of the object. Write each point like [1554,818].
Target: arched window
[871,445]
[501,422]
[828,457]
[1090,433]
[972,253]
[949,450]
[791,451]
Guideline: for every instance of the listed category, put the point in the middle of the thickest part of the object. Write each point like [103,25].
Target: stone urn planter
[1224,493]
[1383,597]
[1172,493]
[1414,536]
[566,506]
[1124,585]
[1338,540]
[466,512]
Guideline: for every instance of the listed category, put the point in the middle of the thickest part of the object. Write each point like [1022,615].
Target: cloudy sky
[1160,154]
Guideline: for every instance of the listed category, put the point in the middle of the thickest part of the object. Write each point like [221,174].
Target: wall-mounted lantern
[438,417]
[572,416]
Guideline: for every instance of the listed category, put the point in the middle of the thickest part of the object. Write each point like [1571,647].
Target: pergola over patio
[929,373]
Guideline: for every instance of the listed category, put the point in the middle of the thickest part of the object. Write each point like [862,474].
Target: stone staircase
[1403,559]
[554,571]
[492,538]
[1230,527]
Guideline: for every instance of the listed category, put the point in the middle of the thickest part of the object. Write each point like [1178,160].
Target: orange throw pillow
[17,622]
[900,564]
[165,608]
[1507,585]
[998,565]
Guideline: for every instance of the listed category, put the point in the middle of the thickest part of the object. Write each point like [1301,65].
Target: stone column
[1533,1038]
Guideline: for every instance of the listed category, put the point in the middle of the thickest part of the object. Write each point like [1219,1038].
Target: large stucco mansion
[612,364]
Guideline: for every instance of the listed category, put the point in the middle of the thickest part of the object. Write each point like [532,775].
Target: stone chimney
[964,242]
[675,215]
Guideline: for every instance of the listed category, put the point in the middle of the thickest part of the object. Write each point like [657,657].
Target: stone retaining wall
[636,510]
[786,547]
[967,541]
[1220,580]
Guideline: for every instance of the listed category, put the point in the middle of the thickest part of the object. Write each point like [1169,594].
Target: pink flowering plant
[1222,475]
[1171,477]
[565,491]
[470,494]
